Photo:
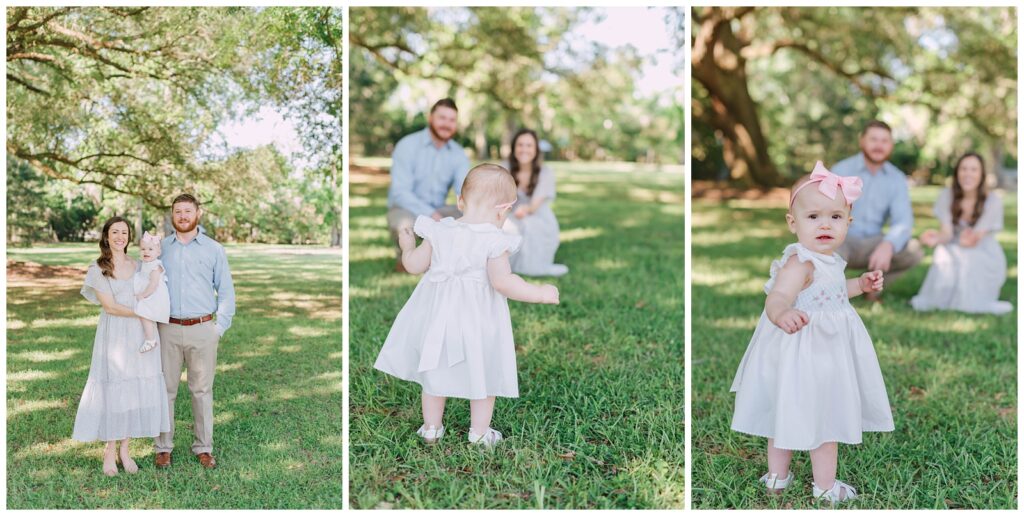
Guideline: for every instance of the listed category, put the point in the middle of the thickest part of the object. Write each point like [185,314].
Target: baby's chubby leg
[149,327]
[778,460]
[824,461]
[433,410]
[480,412]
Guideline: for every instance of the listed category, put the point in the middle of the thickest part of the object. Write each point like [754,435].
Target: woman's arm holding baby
[154,282]
[778,306]
[416,260]
[112,307]
[499,271]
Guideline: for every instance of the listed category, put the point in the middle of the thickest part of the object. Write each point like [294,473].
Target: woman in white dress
[532,217]
[969,267]
[125,395]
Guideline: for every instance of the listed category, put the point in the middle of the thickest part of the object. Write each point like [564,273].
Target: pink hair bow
[150,238]
[829,184]
[505,206]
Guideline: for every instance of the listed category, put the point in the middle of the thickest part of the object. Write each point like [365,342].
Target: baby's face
[149,251]
[820,223]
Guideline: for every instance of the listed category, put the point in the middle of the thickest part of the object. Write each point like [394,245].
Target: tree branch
[26,85]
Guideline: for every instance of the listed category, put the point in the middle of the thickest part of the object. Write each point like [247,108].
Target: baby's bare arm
[791,279]
[416,260]
[512,286]
[154,282]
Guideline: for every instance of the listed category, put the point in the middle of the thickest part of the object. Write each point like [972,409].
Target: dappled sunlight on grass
[572,234]
[25,406]
[30,375]
[233,366]
[59,448]
[736,323]
[43,356]
[306,331]
[607,264]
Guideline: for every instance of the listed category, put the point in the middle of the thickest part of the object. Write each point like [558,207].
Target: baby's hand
[549,294]
[930,238]
[792,320]
[871,281]
[406,239]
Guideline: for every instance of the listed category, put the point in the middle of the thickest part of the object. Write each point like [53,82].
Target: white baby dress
[821,384]
[156,307]
[454,334]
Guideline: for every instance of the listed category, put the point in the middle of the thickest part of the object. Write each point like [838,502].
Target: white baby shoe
[148,345]
[774,484]
[490,438]
[431,435]
[836,493]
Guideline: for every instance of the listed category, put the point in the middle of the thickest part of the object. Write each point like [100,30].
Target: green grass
[599,421]
[277,430]
[951,378]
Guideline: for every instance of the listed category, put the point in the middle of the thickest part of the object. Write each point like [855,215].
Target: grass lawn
[277,430]
[951,379]
[599,421]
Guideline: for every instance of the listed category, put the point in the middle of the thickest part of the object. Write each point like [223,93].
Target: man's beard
[438,136]
[180,229]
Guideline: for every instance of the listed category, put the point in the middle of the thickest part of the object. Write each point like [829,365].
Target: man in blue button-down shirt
[425,165]
[199,284]
[885,198]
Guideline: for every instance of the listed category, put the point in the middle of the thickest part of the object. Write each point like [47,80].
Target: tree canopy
[776,88]
[506,68]
[131,101]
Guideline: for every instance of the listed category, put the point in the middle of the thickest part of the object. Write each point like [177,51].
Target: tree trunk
[721,69]
[141,205]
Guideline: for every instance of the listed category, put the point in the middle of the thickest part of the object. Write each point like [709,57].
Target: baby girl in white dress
[810,377]
[154,302]
[454,334]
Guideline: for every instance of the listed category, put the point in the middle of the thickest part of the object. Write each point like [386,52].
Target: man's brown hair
[876,123]
[445,102]
[186,197]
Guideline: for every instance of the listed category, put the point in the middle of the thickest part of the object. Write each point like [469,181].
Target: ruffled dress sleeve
[503,242]
[424,227]
[801,253]
[991,219]
[148,267]
[95,282]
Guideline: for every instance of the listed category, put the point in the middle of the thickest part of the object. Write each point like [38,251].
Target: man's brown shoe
[163,460]
[207,460]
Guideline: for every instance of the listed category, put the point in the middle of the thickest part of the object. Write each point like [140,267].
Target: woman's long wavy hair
[958,191]
[106,259]
[534,165]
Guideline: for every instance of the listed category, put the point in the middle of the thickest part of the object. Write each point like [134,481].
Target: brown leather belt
[191,322]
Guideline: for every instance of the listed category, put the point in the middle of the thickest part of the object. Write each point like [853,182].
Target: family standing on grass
[184,284]
[810,378]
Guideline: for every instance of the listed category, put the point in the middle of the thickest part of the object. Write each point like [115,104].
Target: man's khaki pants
[857,251]
[196,347]
[399,218]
